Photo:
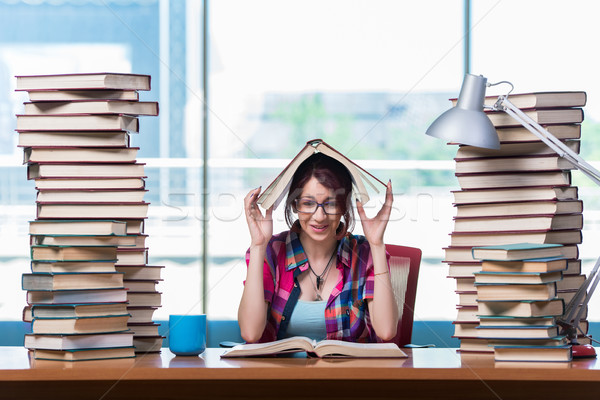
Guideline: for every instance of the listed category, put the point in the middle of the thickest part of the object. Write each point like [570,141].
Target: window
[355,75]
[366,77]
[558,56]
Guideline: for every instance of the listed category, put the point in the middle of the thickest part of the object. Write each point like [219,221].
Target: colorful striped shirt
[346,313]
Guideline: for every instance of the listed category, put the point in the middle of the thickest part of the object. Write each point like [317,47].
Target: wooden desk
[427,374]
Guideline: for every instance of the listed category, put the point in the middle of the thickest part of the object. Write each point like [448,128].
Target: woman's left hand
[374,228]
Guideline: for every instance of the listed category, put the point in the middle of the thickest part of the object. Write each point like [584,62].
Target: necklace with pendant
[318,298]
[320,279]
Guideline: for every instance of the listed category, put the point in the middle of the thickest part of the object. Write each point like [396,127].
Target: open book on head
[322,349]
[363,181]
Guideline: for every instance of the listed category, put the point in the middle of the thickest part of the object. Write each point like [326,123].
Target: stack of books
[91,293]
[521,193]
[519,303]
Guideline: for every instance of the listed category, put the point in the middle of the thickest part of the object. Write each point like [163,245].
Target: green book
[517,251]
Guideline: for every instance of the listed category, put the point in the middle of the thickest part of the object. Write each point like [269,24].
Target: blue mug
[187,334]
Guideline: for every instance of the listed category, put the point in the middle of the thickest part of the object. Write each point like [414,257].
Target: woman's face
[318,226]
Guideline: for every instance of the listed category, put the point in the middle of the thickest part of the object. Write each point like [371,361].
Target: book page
[338,348]
[288,345]
[280,186]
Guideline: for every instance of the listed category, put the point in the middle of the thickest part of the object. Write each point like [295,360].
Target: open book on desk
[322,349]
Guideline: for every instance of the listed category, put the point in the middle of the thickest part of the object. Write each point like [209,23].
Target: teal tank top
[308,319]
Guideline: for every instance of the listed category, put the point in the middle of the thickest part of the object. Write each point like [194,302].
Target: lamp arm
[581,310]
[576,307]
[559,147]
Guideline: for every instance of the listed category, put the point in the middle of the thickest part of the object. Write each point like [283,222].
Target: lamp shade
[467,123]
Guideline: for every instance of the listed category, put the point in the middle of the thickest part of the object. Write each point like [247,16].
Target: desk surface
[427,373]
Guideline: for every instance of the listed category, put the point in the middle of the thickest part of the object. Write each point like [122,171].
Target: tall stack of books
[519,303]
[91,293]
[521,193]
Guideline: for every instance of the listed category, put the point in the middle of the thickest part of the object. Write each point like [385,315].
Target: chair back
[404,273]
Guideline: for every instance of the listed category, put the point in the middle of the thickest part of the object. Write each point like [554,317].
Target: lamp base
[583,351]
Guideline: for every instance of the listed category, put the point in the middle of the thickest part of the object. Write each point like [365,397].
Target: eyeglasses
[308,206]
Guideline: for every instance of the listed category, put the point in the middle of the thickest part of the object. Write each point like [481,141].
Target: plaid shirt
[346,313]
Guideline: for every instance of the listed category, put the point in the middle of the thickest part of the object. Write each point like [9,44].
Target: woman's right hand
[260,226]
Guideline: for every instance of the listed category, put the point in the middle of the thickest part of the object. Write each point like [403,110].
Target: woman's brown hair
[333,175]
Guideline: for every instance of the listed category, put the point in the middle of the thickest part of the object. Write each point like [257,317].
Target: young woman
[317,279]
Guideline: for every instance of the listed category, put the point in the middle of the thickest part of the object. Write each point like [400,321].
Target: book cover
[462,269]
[494,180]
[85,170]
[106,122]
[544,291]
[511,150]
[570,283]
[95,94]
[532,265]
[474,345]
[506,278]
[76,296]
[565,237]
[541,116]
[84,354]
[522,134]
[466,314]
[141,314]
[91,195]
[151,272]
[467,299]
[517,332]
[143,329]
[82,240]
[73,253]
[79,341]
[533,353]
[525,308]
[524,208]
[73,210]
[76,325]
[463,253]
[135,226]
[96,80]
[74,227]
[277,190]
[108,139]
[465,284]
[148,344]
[140,285]
[509,223]
[71,281]
[72,266]
[512,164]
[133,256]
[144,299]
[78,310]
[573,267]
[92,107]
[541,99]
[517,251]
[498,321]
[521,194]
[97,183]
[458,254]
[79,154]
[465,329]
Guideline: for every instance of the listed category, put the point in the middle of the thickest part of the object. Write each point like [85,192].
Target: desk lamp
[467,123]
